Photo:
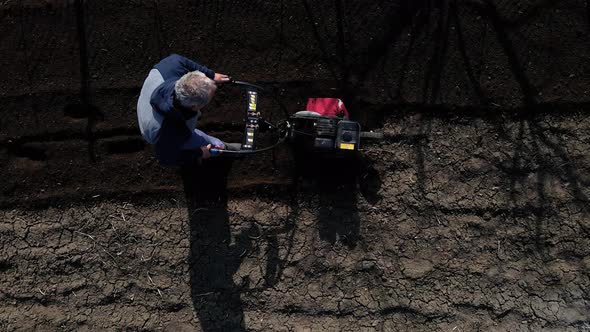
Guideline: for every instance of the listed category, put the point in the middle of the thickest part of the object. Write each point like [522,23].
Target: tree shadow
[416,29]
[537,157]
[542,149]
[444,19]
[349,69]
[565,169]
[213,258]
[338,49]
[489,10]
[529,143]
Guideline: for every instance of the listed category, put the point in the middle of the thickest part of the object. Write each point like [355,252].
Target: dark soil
[473,213]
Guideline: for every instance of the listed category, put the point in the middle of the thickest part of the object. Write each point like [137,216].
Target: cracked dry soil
[472,219]
[455,223]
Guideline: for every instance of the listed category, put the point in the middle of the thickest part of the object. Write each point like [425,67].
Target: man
[169,106]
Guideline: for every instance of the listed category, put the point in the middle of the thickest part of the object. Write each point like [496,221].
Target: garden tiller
[323,127]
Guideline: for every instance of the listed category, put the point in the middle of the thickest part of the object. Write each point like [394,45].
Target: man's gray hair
[194,89]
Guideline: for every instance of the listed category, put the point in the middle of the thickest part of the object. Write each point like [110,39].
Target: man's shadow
[336,178]
[213,258]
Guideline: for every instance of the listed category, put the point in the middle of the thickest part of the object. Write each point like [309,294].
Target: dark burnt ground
[471,215]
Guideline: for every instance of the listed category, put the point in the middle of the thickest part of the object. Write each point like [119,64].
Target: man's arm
[175,66]
[191,65]
[199,145]
[194,142]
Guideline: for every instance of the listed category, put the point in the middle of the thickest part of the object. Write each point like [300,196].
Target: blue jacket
[174,133]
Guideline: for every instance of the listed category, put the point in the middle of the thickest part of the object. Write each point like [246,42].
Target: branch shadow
[565,170]
[530,131]
[433,77]
[275,264]
[489,10]
[351,74]
[475,83]
[538,156]
[417,27]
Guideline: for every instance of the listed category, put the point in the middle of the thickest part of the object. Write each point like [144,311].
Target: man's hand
[221,78]
[206,153]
